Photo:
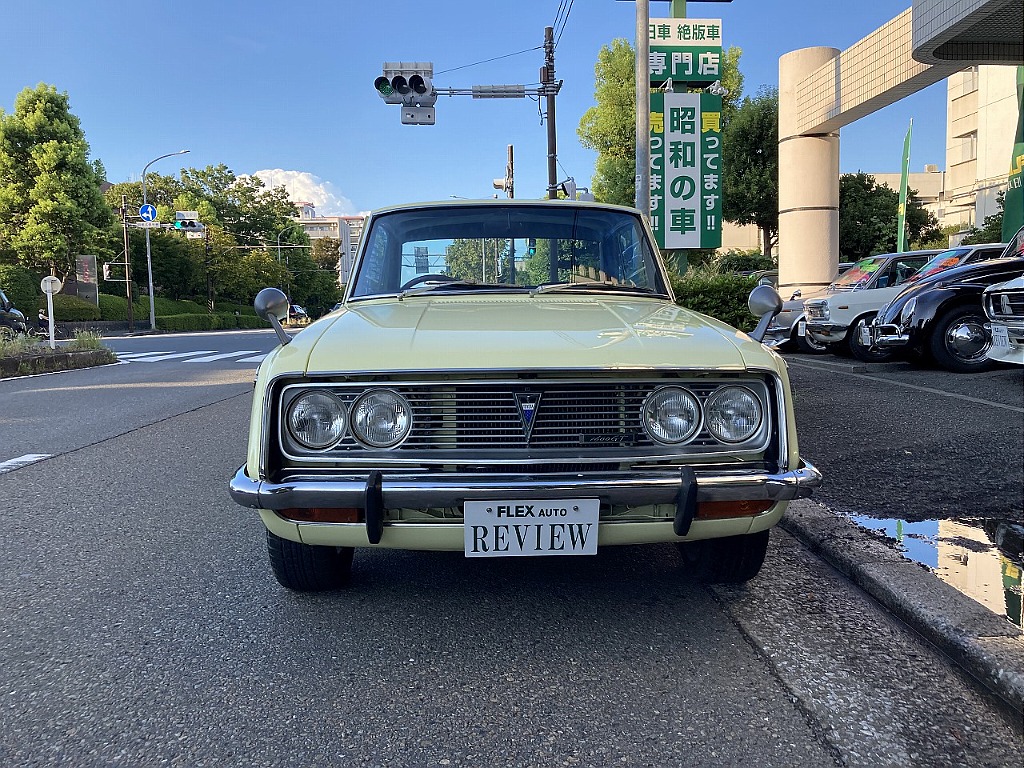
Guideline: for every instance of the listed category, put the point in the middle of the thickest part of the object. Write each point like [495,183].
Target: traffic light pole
[127,265]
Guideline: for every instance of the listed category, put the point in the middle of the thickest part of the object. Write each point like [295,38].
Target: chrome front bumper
[417,491]
[827,333]
[889,335]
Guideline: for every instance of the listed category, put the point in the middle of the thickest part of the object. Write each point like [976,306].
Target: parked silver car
[789,328]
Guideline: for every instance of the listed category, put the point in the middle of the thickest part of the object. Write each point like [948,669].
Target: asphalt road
[140,625]
[898,441]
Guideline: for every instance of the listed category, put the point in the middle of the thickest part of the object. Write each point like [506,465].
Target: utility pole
[643,109]
[127,264]
[547,79]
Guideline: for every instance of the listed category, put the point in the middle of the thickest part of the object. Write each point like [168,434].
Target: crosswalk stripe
[22,461]
[221,356]
[253,359]
[126,355]
[161,357]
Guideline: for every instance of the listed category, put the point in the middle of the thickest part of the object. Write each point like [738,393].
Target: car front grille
[572,419]
[815,311]
[1005,305]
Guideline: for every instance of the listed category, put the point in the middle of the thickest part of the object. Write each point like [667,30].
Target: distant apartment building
[346,229]
[981,115]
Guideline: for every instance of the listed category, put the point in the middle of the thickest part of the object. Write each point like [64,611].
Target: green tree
[868,213]
[609,127]
[325,253]
[992,230]
[465,259]
[51,207]
[750,161]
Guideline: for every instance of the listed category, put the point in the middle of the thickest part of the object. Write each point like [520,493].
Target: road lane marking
[159,358]
[253,359]
[22,461]
[221,356]
[930,390]
[123,355]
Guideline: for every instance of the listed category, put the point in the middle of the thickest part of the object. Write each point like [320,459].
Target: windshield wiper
[457,284]
[589,286]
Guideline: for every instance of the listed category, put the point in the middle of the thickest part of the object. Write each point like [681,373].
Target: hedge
[68,309]
[721,296]
[21,286]
[207,322]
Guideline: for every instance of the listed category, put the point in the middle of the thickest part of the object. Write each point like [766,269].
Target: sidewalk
[988,646]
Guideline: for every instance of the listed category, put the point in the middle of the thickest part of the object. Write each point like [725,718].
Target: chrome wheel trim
[966,339]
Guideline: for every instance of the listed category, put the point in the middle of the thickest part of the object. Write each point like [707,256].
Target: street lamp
[149,256]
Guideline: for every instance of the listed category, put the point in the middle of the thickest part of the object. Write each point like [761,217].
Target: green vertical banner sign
[685,51]
[901,226]
[686,170]
[1013,203]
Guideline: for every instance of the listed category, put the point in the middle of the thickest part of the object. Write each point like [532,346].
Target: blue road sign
[147,212]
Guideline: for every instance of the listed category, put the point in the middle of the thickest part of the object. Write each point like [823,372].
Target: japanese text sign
[685,50]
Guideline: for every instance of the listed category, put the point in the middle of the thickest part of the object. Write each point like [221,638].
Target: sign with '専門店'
[685,50]
[686,170]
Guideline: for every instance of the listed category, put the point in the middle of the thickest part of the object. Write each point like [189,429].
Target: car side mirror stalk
[272,305]
[764,302]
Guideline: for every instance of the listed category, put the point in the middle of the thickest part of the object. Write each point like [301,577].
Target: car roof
[500,203]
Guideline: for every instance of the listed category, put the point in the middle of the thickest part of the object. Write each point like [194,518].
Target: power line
[565,22]
[488,61]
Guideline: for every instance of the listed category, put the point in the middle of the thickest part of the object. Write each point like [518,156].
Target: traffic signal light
[106,271]
[531,246]
[189,226]
[407,82]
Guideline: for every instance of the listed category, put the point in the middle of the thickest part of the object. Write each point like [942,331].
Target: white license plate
[1000,338]
[801,328]
[526,527]
[865,336]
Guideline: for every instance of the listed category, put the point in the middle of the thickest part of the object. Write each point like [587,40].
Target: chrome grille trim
[468,422]
[1004,305]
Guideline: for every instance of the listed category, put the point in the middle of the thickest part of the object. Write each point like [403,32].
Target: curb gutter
[988,646]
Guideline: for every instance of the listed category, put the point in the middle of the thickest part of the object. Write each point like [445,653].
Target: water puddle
[984,561]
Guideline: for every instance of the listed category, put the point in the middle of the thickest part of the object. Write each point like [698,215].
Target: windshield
[941,261]
[860,273]
[493,247]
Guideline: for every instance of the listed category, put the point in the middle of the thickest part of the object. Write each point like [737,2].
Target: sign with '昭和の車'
[685,50]
[686,170]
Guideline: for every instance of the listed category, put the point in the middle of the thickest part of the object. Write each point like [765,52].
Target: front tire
[308,568]
[861,351]
[728,560]
[808,345]
[959,342]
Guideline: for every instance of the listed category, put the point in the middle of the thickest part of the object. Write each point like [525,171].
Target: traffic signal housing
[188,225]
[106,271]
[408,83]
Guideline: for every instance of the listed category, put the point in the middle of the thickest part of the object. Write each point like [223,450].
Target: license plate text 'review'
[527,527]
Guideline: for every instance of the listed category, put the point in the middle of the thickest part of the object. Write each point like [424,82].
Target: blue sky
[288,87]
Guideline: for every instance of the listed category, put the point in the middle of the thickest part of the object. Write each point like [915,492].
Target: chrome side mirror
[764,302]
[272,305]
[796,294]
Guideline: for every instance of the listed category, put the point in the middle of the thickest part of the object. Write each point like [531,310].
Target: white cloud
[304,187]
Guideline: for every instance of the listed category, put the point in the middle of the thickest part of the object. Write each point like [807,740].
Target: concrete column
[808,183]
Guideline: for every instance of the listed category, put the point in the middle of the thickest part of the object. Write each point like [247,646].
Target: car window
[1016,245]
[904,269]
[860,273]
[511,247]
[941,261]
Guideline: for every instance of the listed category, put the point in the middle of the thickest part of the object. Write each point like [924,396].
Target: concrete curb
[986,645]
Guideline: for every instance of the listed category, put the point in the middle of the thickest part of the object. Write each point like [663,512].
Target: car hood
[520,332]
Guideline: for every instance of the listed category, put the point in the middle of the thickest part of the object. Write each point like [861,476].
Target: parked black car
[942,319]
[12,321]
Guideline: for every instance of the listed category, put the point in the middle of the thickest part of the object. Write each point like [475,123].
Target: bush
[70,309]
[743,261]
[242,309]
[192,322]
[721,296]
[21,287]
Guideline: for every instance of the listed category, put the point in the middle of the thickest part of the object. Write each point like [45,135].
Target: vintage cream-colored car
[513,378]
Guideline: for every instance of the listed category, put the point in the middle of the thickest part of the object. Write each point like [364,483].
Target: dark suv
[11,320]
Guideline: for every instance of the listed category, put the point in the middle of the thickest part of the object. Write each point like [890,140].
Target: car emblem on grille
[528,403]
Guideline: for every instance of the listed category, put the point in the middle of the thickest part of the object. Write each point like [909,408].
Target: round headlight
[381,418]
[316,420]
[733,414]
[907,313]
[671,415]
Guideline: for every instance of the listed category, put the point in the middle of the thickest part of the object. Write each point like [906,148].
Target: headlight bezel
[328,398]
[380,392]
[907,312]
[711,402]
[695,428]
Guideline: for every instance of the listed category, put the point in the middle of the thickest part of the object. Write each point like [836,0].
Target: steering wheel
[427,278]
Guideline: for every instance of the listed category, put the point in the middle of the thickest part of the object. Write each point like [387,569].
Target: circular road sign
[147,212]
[51,285]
